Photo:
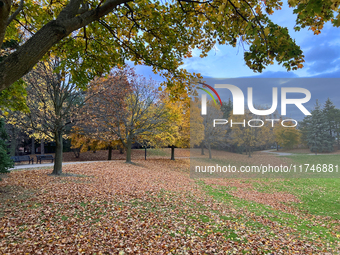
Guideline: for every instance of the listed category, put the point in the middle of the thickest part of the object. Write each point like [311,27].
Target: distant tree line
[320,131]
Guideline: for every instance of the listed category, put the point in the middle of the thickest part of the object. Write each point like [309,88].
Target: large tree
[177,132]
[213,136]
[243,132]
[53,100]
[287,137]
[93,36]
[128,108]
[105,99]
[318,137]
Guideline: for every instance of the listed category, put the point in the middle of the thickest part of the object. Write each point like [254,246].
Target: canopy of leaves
[94,36]
[287,137]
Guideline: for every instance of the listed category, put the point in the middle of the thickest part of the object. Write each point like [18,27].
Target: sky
[322,60]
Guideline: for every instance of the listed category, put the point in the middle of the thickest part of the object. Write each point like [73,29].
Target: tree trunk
[172,152]
[20,62]
[42,147]
[76,152]
[202,149]
[13,141]
[33,146]
[121,150]
[110,153]
[58,158]
[209,148]
[145,152]
[249,152]
[128,151]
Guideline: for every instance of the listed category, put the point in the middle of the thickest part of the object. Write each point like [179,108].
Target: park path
[66,163]
[50,164]
[277,153]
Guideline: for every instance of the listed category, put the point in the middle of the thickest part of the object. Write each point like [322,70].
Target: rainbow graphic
[209,93]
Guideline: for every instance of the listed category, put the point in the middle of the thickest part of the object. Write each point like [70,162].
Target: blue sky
[322,55]
[322,60]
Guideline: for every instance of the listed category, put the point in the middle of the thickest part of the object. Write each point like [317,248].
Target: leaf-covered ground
[153,207]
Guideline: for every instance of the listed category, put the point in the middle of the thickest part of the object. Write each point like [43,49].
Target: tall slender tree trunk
[33,146]
[42,146]
[110,153]
[172,152]
[128,151]
[209,148]
[58,159]
[13,141]
[249,152]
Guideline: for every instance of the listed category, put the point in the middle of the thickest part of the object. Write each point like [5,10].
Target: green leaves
[14,98]
[161,35]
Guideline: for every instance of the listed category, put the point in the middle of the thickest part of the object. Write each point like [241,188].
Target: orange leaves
[152,207]
[316,29]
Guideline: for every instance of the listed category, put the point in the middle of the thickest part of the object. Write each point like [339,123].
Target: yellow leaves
[221,8]
[266,31]
[236,3]
[201,17]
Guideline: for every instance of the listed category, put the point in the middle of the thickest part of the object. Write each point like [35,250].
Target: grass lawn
[154,207]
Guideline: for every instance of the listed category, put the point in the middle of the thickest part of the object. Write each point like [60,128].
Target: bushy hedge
[5,160]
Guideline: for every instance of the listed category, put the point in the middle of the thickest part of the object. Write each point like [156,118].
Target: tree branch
[22,61]
[5,9]
[12,17]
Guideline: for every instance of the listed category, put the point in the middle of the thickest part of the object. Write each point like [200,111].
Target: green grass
[304,222]
[319,197]
[158,152]
[315,159]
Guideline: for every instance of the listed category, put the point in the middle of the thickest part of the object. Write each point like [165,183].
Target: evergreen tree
[318,137]
[329,112]
[5,160]
[227,108]
[337,126]
[303,127]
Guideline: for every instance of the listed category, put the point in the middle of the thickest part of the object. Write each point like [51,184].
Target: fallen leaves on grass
[245,190]
[149,208]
